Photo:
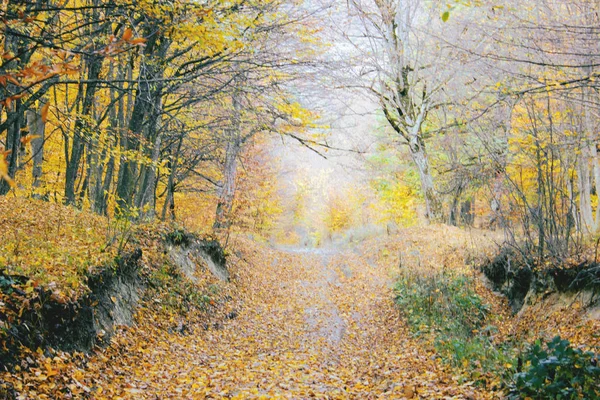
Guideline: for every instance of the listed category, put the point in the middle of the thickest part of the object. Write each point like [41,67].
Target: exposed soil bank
[39,318]
[524,285]
[46,320]
[189,252]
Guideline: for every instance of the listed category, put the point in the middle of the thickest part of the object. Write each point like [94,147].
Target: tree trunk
[147,100]
[80,131]
[37,128]
[497,218]
[14,43]
[147,192]
[454,217]
[232,151]
[170,200]
[466,212]
[227,191]
[410,130]
[13,141]
[592,152]
[433,204]
[116,123]
[573,220]
[596,169]
[585,202]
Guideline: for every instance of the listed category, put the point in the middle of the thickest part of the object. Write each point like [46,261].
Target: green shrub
[444,302]
[178,237]
[178,293]
[445,308]
[557,371]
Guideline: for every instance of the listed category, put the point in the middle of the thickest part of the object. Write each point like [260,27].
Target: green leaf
[445,16]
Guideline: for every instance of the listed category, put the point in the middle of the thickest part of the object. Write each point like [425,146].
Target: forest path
[310,323]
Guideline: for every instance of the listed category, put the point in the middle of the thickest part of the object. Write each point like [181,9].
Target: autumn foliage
[131,131]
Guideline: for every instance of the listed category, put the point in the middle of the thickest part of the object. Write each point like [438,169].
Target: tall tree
[401,80]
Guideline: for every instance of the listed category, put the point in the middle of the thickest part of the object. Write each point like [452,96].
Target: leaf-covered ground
[304,323]
[293,323]
[53,245]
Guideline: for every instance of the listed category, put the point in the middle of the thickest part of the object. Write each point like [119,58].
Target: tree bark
[17,44]
[227,191]
[147,192]
[80,131]
[146,102]
[37,128]
[232,151]
[13,141]
[456,214]
[432,202]
[585,202]
[596,168]
[410,130]
[170,199]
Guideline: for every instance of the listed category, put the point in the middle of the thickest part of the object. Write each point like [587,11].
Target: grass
[445,309]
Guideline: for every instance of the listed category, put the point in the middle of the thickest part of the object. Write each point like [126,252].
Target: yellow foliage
[52,243]
[397,202]
[338,213]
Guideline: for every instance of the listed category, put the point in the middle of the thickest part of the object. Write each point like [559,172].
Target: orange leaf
[44,112]
[137,41]
[28,138]
[50,371]
[128,34]
[13,80]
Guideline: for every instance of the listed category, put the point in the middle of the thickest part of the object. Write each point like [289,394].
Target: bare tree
[404,82]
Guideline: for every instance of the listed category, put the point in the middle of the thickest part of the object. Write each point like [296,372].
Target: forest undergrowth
[400,316]
[548,350]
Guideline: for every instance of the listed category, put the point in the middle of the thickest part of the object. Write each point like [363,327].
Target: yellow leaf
[4,168]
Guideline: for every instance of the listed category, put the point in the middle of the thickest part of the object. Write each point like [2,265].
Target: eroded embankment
[549,300]
[300,324]
[58,310]
[37,318]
